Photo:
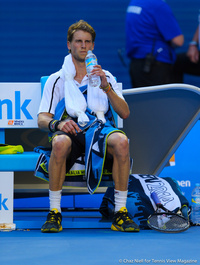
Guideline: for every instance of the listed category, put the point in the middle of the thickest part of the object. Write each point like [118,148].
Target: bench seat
[19,162]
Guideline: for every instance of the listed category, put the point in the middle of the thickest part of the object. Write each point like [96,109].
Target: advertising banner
[6,200]
[19,104]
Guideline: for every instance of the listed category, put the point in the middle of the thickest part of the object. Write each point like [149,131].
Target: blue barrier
[187,162]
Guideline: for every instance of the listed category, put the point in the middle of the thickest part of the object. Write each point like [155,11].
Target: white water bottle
[195,215]
[90,61]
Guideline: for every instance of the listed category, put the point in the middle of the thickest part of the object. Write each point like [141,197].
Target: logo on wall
[3,203]
[15,122]
[19,104]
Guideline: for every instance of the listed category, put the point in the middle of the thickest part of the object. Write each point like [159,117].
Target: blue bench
[26,161]
[19,162]
[161,117]
[160,112]
[19,103]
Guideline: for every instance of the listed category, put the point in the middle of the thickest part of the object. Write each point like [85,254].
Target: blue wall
[33,34]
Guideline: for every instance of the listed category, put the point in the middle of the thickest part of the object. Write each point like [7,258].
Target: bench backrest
[161,117]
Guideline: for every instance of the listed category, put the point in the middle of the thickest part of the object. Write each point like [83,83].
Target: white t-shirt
[54,91]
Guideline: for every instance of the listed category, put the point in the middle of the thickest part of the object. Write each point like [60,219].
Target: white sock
[55,200]
[120,199]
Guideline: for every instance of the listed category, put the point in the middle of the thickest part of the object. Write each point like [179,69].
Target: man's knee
[122,139]
[121,144]
[61,144]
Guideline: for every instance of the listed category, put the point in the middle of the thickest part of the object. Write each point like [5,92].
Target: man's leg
[61,148]
[160,73]
[182,66]
[118,147]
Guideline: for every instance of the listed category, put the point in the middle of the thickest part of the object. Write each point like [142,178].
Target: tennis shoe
[123,222]
[53,222]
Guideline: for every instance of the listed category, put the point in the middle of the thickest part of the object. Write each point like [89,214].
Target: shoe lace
[126,217]
[53,217]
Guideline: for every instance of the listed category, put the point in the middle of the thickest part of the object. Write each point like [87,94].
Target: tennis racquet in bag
[166,221]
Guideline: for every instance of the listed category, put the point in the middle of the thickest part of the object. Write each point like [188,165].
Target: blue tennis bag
[139,202]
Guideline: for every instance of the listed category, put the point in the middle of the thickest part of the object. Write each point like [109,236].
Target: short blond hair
[80,25]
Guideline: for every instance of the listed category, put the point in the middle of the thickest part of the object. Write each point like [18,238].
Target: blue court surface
[79,244]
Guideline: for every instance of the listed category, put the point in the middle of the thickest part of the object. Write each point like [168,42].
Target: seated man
[59,114]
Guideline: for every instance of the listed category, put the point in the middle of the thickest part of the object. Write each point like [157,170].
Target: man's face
[80,44]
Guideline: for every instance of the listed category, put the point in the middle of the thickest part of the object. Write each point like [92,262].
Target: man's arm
[196,36]
[68,125]
[193,52]
[119,105]
[177,41]
[44,120]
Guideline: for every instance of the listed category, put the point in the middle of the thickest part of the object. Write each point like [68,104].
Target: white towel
[75,102]
[97,102]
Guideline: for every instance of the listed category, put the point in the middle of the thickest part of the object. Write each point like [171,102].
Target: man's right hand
[69,126]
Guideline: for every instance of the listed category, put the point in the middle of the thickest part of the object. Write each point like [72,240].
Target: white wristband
[193,43]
